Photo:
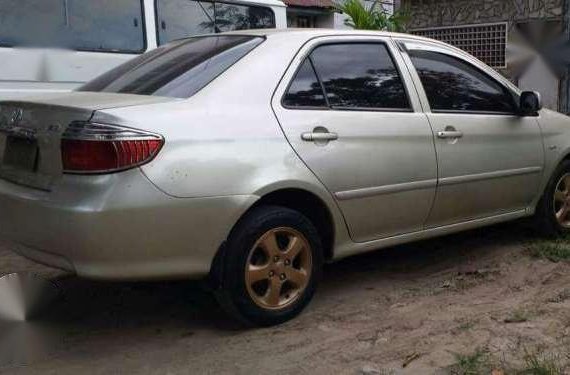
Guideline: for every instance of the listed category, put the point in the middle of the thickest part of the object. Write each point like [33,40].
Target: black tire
[234,296]
[545,217]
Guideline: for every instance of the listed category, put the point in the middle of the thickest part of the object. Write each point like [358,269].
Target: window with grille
[486,42]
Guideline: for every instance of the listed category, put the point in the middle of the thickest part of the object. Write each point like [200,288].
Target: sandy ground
[423,302]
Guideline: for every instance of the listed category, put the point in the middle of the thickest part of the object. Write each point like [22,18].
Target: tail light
[100,148]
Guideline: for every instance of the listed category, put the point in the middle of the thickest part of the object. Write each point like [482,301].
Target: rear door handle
[449,134]
[318,136]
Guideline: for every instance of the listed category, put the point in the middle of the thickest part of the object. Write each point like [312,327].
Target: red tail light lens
[98,148]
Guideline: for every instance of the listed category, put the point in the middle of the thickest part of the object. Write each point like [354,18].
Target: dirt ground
[421,305]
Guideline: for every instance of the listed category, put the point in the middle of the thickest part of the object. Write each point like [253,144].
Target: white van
[57,45]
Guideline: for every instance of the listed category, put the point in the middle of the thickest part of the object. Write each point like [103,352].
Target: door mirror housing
[530,103]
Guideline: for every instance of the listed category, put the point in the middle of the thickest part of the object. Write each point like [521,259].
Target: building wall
[305,17]
[539,77]
[547,16]
[433,13]
[298,16]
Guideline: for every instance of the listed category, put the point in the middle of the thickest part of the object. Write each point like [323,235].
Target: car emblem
[16,117]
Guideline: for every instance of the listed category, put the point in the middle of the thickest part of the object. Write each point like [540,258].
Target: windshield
[179,69]
[85,25]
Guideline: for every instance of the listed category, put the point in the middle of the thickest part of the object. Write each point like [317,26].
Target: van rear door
[55,45]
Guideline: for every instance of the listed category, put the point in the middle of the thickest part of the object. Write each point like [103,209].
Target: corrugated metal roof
[310,3]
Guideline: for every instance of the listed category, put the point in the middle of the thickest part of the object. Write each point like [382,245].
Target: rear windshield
[179,69]
[84,25]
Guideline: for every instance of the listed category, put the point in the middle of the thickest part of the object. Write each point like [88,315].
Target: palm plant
[373,17]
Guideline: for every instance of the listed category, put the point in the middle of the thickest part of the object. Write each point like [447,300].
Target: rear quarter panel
[226,140]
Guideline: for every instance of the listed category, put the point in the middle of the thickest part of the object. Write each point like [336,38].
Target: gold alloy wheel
[562,201]
[278,268]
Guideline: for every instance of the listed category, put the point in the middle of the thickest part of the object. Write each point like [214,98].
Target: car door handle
[449,134]
[318,136]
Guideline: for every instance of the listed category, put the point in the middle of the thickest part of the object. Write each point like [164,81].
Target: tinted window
[359,76]
[454,85]
[305,89]
[103,25]
[240,17]
[179,69]
[183,18]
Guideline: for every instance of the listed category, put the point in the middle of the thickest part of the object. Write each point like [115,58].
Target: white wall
[338,21]
[539,77]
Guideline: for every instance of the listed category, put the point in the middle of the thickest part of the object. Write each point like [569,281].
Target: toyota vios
[252,158]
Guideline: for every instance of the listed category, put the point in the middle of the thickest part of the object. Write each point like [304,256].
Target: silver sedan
[252,158]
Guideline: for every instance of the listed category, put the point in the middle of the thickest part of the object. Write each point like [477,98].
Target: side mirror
[530,103]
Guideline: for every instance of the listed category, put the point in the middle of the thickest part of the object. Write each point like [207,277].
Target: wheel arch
[550,167]
[566,157]
[302,200]
[308,204]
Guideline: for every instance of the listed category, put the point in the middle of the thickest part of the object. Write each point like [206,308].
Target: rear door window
[184,18]
[103,25]
[353,76]
[359,75]
[305,89]
[179,69]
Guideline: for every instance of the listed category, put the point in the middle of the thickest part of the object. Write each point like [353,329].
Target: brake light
[100,148]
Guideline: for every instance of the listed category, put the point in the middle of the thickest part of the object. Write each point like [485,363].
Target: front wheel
[272,264]
[553,210]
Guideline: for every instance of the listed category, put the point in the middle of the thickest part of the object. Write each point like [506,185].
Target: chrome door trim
[386,189]
[488,175]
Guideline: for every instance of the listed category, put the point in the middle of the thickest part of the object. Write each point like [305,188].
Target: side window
[183,18]
[242,17]
[454,85]
[305,89]
[103,26]
[359,75]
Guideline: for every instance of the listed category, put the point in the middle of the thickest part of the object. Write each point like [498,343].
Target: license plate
[21,153]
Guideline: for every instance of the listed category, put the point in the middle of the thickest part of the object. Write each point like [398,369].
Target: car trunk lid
[31,131]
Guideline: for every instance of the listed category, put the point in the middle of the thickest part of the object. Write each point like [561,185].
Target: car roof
[311,33]
[315,32]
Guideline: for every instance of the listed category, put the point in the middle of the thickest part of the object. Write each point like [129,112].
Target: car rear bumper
[117,226]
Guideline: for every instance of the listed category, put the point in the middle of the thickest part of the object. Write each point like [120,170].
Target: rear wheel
[553,210]
[272,264]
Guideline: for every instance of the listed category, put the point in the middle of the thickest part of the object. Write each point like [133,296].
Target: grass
[557,250]
[464,325]
[518,316]
[536,362]
[467,325]
[541,364]
[471,364]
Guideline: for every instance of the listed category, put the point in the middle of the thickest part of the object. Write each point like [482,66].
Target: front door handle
[449,132]
[319,136]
